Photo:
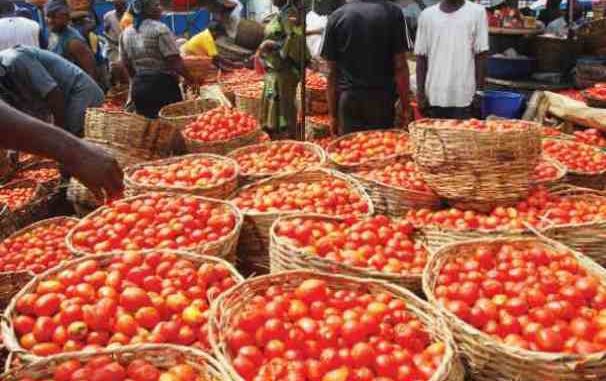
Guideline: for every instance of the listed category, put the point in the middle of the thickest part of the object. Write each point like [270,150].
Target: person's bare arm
[176,63]
[84,57]
[402,78]
[56,103]
[331,96]
[480,63]
[421,78]
[314,32]
[87,162]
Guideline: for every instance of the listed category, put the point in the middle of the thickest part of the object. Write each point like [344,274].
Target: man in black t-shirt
[365,46]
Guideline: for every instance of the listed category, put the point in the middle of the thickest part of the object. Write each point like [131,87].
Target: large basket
[222,147]
[396,201]
[368,161]
[162,356]
[491,360]
[250,104]
[132,131]
[220,191]
[247,178]
[284,256]
[253,246]
[181,114]
[477,169]
[28,213]
[8,333]
[227,307]
[224,247]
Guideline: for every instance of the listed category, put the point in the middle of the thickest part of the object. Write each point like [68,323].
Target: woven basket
[284,256]
[253,246]
[8,333]
[227,307]
[224,247]
[7,222]
[594,180]
[247,178]
[29,212]
[162,356]
[250,105]
[594,102]
[436,238]
[315,130]
[49,185]
[561,173]
[491,360]
[181,114]
[156,137]
[199,68]
[219,191]
[368,161]
[222,147]
[477,169]
[10,283]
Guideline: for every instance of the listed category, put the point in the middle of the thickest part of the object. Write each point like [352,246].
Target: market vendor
[203,45]
[112,31]
[96,169]
[281,52]
[65,40]
[150,54]
[40,83]
[226,16]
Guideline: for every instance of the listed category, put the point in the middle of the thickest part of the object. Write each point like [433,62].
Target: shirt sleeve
[122,49]
[32,72]
[329,46]
[166,43]
[481,43]
[422,40]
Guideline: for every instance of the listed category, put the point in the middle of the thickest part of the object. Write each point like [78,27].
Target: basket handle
[418,151]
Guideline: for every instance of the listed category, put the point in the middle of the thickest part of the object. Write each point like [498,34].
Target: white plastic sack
[314,42]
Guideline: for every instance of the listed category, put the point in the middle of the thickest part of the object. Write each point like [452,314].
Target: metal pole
[301,125]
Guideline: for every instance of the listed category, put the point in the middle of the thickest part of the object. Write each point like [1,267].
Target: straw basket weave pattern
[27,213]
[231,303]
[477,169]
[181,114]
[252,105]
[491,360]
[593,180]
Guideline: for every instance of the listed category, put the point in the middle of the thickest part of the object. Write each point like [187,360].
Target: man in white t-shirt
[451,48]
[15,30]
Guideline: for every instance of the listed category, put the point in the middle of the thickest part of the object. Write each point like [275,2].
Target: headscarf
[56,6]
[139,10]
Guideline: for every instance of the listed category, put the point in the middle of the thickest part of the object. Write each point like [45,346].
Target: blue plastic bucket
[505,104]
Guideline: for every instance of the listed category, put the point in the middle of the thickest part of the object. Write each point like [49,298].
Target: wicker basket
[222,147]
[368,161]
[253,246]
[8,333]
[594,180]
[162,356]
[181,114]
[10,284]
[227,307]
[28,213]
[250,105]
[224,247]
[561,173]
[156,137]
[7,222]
[247,178]
[284,256]
[315,129]
[594,102]
[199,68]
[491,360]
[48,185]
[477,169]
[219,191]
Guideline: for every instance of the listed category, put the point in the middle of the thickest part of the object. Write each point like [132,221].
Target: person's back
[147,48]
[16,30]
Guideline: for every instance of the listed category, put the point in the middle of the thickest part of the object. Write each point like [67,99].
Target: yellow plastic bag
[202,44]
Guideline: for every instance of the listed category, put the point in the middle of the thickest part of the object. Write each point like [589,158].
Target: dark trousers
[366,109]
[448,112]
[152,91]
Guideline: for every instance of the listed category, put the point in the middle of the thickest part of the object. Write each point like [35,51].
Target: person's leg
[152,92]
[351,112]
[379,109]
[288,107]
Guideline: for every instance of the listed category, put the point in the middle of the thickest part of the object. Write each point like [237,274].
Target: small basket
[226,308]
[491,360]
[561,173]
[247,178]
[199,68]
[593,180]
[284,256]
[252,105]
[368,161]
[26,214]
[253,246]
[181,114]
[8,332]
[593,102]
[224,247]
[222,147]
[477,169]
[155,137]
[219,191]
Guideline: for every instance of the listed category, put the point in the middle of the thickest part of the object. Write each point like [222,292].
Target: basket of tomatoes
[235,79]
[586,164]
[205,175]
[140,362]
[24,199]
[181,114]
[548,172]
[596,96]
[377,247]
[315,96]
[521,308]
[318,191]
[220,131]
[367,148]
[477,164]
[249,99]
[276,158]
[160,221]
[317,126]
[396,187]
[46,173]
[122,298]
[339,327]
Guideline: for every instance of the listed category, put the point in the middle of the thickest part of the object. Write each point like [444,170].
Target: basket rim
[331,146]
[166,108]
[436,261]
[246,135]
[574,171]
[448,360]
[6,322]
[313,148]
[366,271]
[353,183]
[41,223]
[583,192]
[130,170]
[235,231]
[562,170]
[421,123]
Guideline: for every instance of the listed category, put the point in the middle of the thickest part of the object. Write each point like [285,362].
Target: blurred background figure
[16,30]
[112,31]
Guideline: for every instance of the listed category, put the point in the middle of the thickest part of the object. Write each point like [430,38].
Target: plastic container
[504,104]
[510,68]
